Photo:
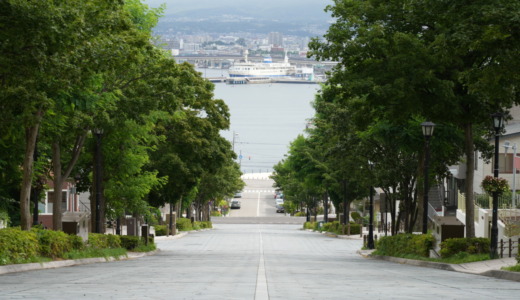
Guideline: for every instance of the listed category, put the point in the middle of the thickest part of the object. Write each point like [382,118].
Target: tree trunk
[58,182]
[470,170]
[31,134]
[60,177]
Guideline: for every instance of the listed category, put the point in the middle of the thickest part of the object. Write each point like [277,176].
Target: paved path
[253,261]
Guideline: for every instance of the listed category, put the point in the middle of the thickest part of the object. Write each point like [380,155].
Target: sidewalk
[490,268]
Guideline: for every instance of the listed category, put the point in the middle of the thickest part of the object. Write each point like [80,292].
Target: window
[505,163]
[49,203]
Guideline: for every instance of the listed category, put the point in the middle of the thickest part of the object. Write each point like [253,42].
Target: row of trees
[71,71]
[402,62]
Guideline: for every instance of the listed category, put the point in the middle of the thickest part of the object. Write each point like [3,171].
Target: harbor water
[265,119]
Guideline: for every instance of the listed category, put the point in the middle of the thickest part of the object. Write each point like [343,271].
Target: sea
[265,119]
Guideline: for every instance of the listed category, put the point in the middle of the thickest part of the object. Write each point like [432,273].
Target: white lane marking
[258,206]
[261,292]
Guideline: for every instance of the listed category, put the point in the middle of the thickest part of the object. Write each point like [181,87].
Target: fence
[509,245]
[485,201]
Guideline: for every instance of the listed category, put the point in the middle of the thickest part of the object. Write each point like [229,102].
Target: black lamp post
[427,128]
[498,120]
[97,157]
[370,243]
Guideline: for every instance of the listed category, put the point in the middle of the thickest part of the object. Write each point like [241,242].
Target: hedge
[333,227]
[160,230]
[18,246]
[184,224]
[405,244]
[101,241]
[453,246]
[202,225]
[52,243]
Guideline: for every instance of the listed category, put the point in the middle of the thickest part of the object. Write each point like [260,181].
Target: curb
[500,274]
[70,262]
[76,262]
[84,261]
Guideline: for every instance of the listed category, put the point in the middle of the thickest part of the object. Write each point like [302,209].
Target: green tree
[404,59]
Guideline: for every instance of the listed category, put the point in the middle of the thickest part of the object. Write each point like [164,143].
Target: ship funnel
[245,55]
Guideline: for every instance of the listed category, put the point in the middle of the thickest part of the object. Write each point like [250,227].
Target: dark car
[235,204]
[280,208]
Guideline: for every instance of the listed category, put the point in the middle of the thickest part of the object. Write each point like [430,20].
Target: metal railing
[83,207]
[485,201]
[432,212]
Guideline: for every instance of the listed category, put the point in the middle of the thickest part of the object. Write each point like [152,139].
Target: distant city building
[275,39]
[191,47]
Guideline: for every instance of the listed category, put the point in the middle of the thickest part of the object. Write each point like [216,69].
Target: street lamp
[97,158]
[370,244]
[498,120]
[427,128]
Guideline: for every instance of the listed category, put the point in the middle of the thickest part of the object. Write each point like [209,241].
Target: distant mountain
[300,17]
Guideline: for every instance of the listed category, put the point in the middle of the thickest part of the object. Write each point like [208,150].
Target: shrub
[100,241]
[354,228]
[76,242]
[300,214]
[184,224]
[130,242]
[453,246]
[160,230]
[18,246]
[202,225]
[52,243]
[406,244]
[356,217]
[310,225]
[216,213]
[337,228]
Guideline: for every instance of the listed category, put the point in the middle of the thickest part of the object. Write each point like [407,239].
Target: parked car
[235,204]
[280,208]
[278,201]
[238,195]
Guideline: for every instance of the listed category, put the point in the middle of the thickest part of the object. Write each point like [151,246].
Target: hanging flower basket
[491,184]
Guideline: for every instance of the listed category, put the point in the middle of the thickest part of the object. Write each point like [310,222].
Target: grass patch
[512,268]
[145,248]
[93,252]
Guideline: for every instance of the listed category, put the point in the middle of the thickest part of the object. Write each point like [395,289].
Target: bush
[337,228]
[160,230]
[216,213]
[406,244]
[100,241]
[454,246]
[52,243]
[76,242]
[130,242]
[356,217]
[18,246]
[300,214]
[310,225]
[202,225]
[184,224]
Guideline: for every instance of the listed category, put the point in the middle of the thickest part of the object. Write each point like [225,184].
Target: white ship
[265,69]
